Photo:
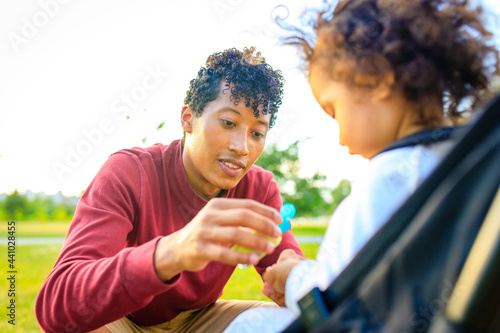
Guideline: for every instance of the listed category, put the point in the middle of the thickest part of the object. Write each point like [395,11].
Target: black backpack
[435,265]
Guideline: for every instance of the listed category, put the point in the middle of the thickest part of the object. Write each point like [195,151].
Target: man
[149,248]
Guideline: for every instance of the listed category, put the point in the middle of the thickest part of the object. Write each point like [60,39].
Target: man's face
[222,144]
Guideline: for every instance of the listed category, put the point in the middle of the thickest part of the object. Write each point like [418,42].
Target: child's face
[367,123]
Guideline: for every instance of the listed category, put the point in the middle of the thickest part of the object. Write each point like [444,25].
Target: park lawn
[34,263]
[308,230]
[38,229]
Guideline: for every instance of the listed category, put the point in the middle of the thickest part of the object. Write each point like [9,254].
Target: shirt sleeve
[98,279]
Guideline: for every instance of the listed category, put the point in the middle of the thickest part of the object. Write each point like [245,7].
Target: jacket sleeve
[98,279]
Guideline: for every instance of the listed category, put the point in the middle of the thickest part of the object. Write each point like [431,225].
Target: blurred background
[80,80]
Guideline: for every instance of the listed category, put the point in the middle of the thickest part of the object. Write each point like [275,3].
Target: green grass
[34,263]
[38,229]
[308,230]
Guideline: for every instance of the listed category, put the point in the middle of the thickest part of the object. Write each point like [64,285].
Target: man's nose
[239,143]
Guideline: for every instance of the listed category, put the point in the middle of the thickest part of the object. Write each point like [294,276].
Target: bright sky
[72,70]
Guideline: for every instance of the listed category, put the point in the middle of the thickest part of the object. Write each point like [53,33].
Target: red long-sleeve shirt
[105,270]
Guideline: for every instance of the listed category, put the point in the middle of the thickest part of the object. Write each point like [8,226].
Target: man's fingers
[223,222]
[255,206]
[245,218]
[227,256]
[239,236]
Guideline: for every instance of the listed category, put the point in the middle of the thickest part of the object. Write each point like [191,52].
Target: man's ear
[187,119]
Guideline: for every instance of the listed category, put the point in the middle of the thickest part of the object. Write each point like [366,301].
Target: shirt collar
[181,186]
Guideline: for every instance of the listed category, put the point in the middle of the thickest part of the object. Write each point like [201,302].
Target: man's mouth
[231,165]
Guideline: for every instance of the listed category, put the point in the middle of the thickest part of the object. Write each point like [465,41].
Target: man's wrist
[165,262]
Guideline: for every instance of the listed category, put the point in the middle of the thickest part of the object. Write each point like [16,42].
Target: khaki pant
[212,318]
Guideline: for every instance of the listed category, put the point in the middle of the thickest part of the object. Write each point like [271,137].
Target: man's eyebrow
[263,122]
[226,108]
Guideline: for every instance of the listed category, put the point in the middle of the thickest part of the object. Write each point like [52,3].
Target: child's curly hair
[437,50]
[253,81]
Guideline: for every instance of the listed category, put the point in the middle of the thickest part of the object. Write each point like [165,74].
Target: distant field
[60,228]
[34,263]
[39,229]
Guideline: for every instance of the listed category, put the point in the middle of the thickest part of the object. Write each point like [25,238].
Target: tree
[339,193]
[310,195]
[43,208]
[15,205]
[18,206]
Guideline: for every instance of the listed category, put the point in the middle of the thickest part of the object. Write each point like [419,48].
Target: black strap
[427,136]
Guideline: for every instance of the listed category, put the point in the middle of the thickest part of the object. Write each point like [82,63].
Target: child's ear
[386,87]
[187,119]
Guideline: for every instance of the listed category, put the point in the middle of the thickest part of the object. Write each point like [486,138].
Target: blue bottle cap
[287,211]
[285,226]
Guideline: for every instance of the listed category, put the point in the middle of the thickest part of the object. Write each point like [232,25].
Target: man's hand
[276,275]
[209,236]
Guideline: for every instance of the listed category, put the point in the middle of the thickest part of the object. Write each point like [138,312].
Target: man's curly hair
[438,50]
[254,82]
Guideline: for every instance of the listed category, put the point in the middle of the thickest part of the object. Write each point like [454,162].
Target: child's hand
[268,290]
[276,275]
[289,254]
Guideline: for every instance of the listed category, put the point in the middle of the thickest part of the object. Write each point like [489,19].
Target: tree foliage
[20,207]
[310,195]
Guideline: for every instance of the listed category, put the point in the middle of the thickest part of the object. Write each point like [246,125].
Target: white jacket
[391,178]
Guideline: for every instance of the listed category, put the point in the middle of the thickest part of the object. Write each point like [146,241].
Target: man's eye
[258,135]
[228,123]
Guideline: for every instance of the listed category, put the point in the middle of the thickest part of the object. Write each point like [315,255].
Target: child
[395,75]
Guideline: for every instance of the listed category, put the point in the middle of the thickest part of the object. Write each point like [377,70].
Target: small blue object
[285,226]
[287,212]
